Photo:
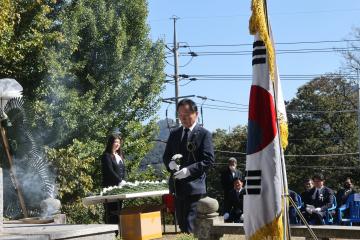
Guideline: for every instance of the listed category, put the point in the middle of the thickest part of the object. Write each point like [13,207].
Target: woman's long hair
[110,142]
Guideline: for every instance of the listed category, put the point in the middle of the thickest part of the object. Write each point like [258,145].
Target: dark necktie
[183,143]
[317,195]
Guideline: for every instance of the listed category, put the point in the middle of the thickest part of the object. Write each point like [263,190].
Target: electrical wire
[248,77]
[281,51]
[297,155]
[280,43]
[301,166]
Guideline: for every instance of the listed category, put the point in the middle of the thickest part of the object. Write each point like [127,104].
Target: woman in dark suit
[113,172]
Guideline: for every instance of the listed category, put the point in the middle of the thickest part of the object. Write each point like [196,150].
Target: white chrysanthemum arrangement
[135,187]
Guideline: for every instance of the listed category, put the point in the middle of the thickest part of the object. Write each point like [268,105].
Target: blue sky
[225,23]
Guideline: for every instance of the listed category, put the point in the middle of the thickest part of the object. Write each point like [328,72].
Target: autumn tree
[323,122]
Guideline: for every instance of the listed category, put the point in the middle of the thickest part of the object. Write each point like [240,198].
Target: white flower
[122,183]
[131,185]
[176,157]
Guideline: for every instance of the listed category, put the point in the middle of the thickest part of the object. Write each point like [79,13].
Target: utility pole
[176,71]
[358,113]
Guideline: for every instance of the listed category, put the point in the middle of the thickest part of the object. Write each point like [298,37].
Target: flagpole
[287,233]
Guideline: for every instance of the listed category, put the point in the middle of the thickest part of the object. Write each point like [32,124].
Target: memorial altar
[136,223]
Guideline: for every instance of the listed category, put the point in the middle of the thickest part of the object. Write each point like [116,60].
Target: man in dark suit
[305,195]
[321,199]
[195,145]
[227,179]
[292,211]
[234,208]
[343,194]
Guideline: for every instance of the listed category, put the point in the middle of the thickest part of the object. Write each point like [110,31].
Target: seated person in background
[227,178]
[292,210]
[234,206]
[321,198]
[305,195]
[308,185]
[344,193]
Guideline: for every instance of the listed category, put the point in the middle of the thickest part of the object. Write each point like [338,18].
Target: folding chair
[329,217]
[350,212]
[294,218]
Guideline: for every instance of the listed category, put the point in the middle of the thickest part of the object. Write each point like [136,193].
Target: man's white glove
[317,209]
[308,210]
[174,166]
[183,173]
[177,156]
[226,216]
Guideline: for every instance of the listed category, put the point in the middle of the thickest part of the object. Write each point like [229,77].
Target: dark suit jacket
[325,200]
[197,162]
[306,198]
[293,196]
[112,173]
[235,205]
[342,195]
[227,179]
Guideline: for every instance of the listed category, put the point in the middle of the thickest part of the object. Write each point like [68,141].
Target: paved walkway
[171,235]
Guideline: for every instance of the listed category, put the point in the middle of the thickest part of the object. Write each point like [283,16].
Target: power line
[244,108]
[222,101]
[222,106]
[315,138]
[298,155]
[321,155]
[280,43]
[248,77]
[291,112]
[317,12]
[325,111]
[281,51]
[303,166]
[281,75]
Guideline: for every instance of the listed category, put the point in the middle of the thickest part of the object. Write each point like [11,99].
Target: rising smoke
[31,168]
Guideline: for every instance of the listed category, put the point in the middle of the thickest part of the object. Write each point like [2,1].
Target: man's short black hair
[319,176]
[189,102]
[306,180]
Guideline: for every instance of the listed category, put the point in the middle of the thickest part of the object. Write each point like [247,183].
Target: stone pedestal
[59,232]
[206,216]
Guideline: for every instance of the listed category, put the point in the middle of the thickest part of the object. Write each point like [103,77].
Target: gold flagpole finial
[258,24]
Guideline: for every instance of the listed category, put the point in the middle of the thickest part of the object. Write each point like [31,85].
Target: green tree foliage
[88,68]
[78,175]
[232,144]
[26,32]
[106,75]
[7,21]
[323,120]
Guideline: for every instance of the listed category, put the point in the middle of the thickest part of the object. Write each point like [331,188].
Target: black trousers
[186,211]
[315,218]
[234,216]
[112,211]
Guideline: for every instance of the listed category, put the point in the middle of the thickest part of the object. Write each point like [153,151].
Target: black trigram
[259,53]
[253,181]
